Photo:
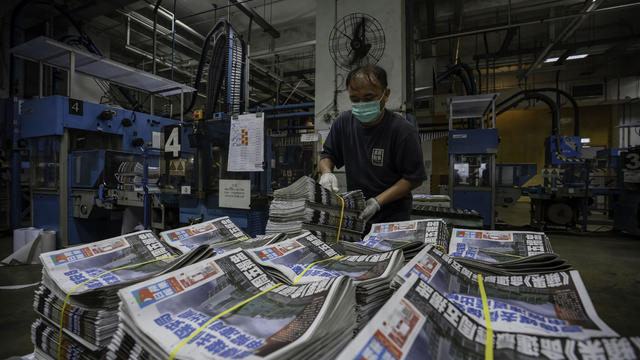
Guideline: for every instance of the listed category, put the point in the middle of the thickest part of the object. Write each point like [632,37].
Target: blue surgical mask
[367,112]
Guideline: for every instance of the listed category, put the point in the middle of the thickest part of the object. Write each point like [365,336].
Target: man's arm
[398,190]
[326,165]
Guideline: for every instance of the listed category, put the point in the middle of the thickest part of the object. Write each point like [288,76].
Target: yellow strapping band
[237,306]
[488,344]
[313,263]
[341,216]
[66,299]
[229,242]
[439,246]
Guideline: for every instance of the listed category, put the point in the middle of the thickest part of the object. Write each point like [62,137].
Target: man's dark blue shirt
[377,157]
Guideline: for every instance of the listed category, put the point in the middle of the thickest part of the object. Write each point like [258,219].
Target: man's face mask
[367,112]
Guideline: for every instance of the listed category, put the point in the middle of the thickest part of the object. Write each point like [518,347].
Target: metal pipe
[283,107]
[173,37]
[524,23]
[283,49]
[160,29]
[258,19]
[288,115]
[155,24]
[169,16]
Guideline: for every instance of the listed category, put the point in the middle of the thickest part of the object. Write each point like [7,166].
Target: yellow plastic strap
[313,263]
[488,344]
[439,246]
[497,252]
[237,306]
[66,299]
[229,242]
[341,216]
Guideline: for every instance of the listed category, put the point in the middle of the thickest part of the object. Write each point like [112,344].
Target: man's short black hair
[371,72]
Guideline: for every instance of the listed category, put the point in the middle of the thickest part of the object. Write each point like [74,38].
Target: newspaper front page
[420,322]
[554,304]
[163,311]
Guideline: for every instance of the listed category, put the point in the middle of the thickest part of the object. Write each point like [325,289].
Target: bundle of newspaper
[408,236]
[228,307]
[497,246]
[220,234]
[84,280]
[44,336]
[442,309]
[306,259]
[419,322]
[305,205]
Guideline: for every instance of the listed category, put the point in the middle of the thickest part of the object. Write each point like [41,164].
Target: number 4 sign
[172,141]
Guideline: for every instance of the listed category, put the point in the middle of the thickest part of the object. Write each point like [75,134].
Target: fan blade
[362,28]
[358,32]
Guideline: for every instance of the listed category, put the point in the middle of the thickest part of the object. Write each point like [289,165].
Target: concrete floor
[609,265]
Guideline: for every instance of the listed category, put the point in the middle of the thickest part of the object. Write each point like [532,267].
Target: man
[379,149]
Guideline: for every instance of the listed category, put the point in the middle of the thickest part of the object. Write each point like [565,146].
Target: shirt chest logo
[377,157]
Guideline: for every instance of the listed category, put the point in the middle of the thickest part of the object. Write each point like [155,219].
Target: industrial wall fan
[357,39]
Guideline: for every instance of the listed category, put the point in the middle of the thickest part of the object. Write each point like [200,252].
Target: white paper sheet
[246,143]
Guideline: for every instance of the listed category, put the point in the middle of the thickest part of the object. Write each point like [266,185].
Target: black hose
[547,100]
[458,71]
[471,76]
[574,104]
[203,60]
[479,76]
[216,74]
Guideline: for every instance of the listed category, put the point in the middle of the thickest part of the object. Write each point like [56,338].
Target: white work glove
[329,181]
[371,207]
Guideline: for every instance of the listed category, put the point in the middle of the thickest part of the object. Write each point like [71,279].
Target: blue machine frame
[52,117]
[474,142]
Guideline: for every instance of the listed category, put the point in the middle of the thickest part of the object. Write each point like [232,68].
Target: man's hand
[329,181]
[371,208]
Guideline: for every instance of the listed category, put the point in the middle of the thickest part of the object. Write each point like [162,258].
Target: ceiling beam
[253,15]
[524,23]
[568,31]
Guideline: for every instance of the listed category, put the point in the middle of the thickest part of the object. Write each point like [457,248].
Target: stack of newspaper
[408,236]
[228,307]
[305,205]
[305,259]
[220,234]
[439,313]
[497,246]
[85,279]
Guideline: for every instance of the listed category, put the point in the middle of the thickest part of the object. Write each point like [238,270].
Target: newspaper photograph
[187,238]
[161,312]
[419,322]
[497,246]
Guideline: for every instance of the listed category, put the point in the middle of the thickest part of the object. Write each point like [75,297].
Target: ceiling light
[551,60]
[579,56]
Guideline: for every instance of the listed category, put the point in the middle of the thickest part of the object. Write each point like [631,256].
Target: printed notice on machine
[246,143]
